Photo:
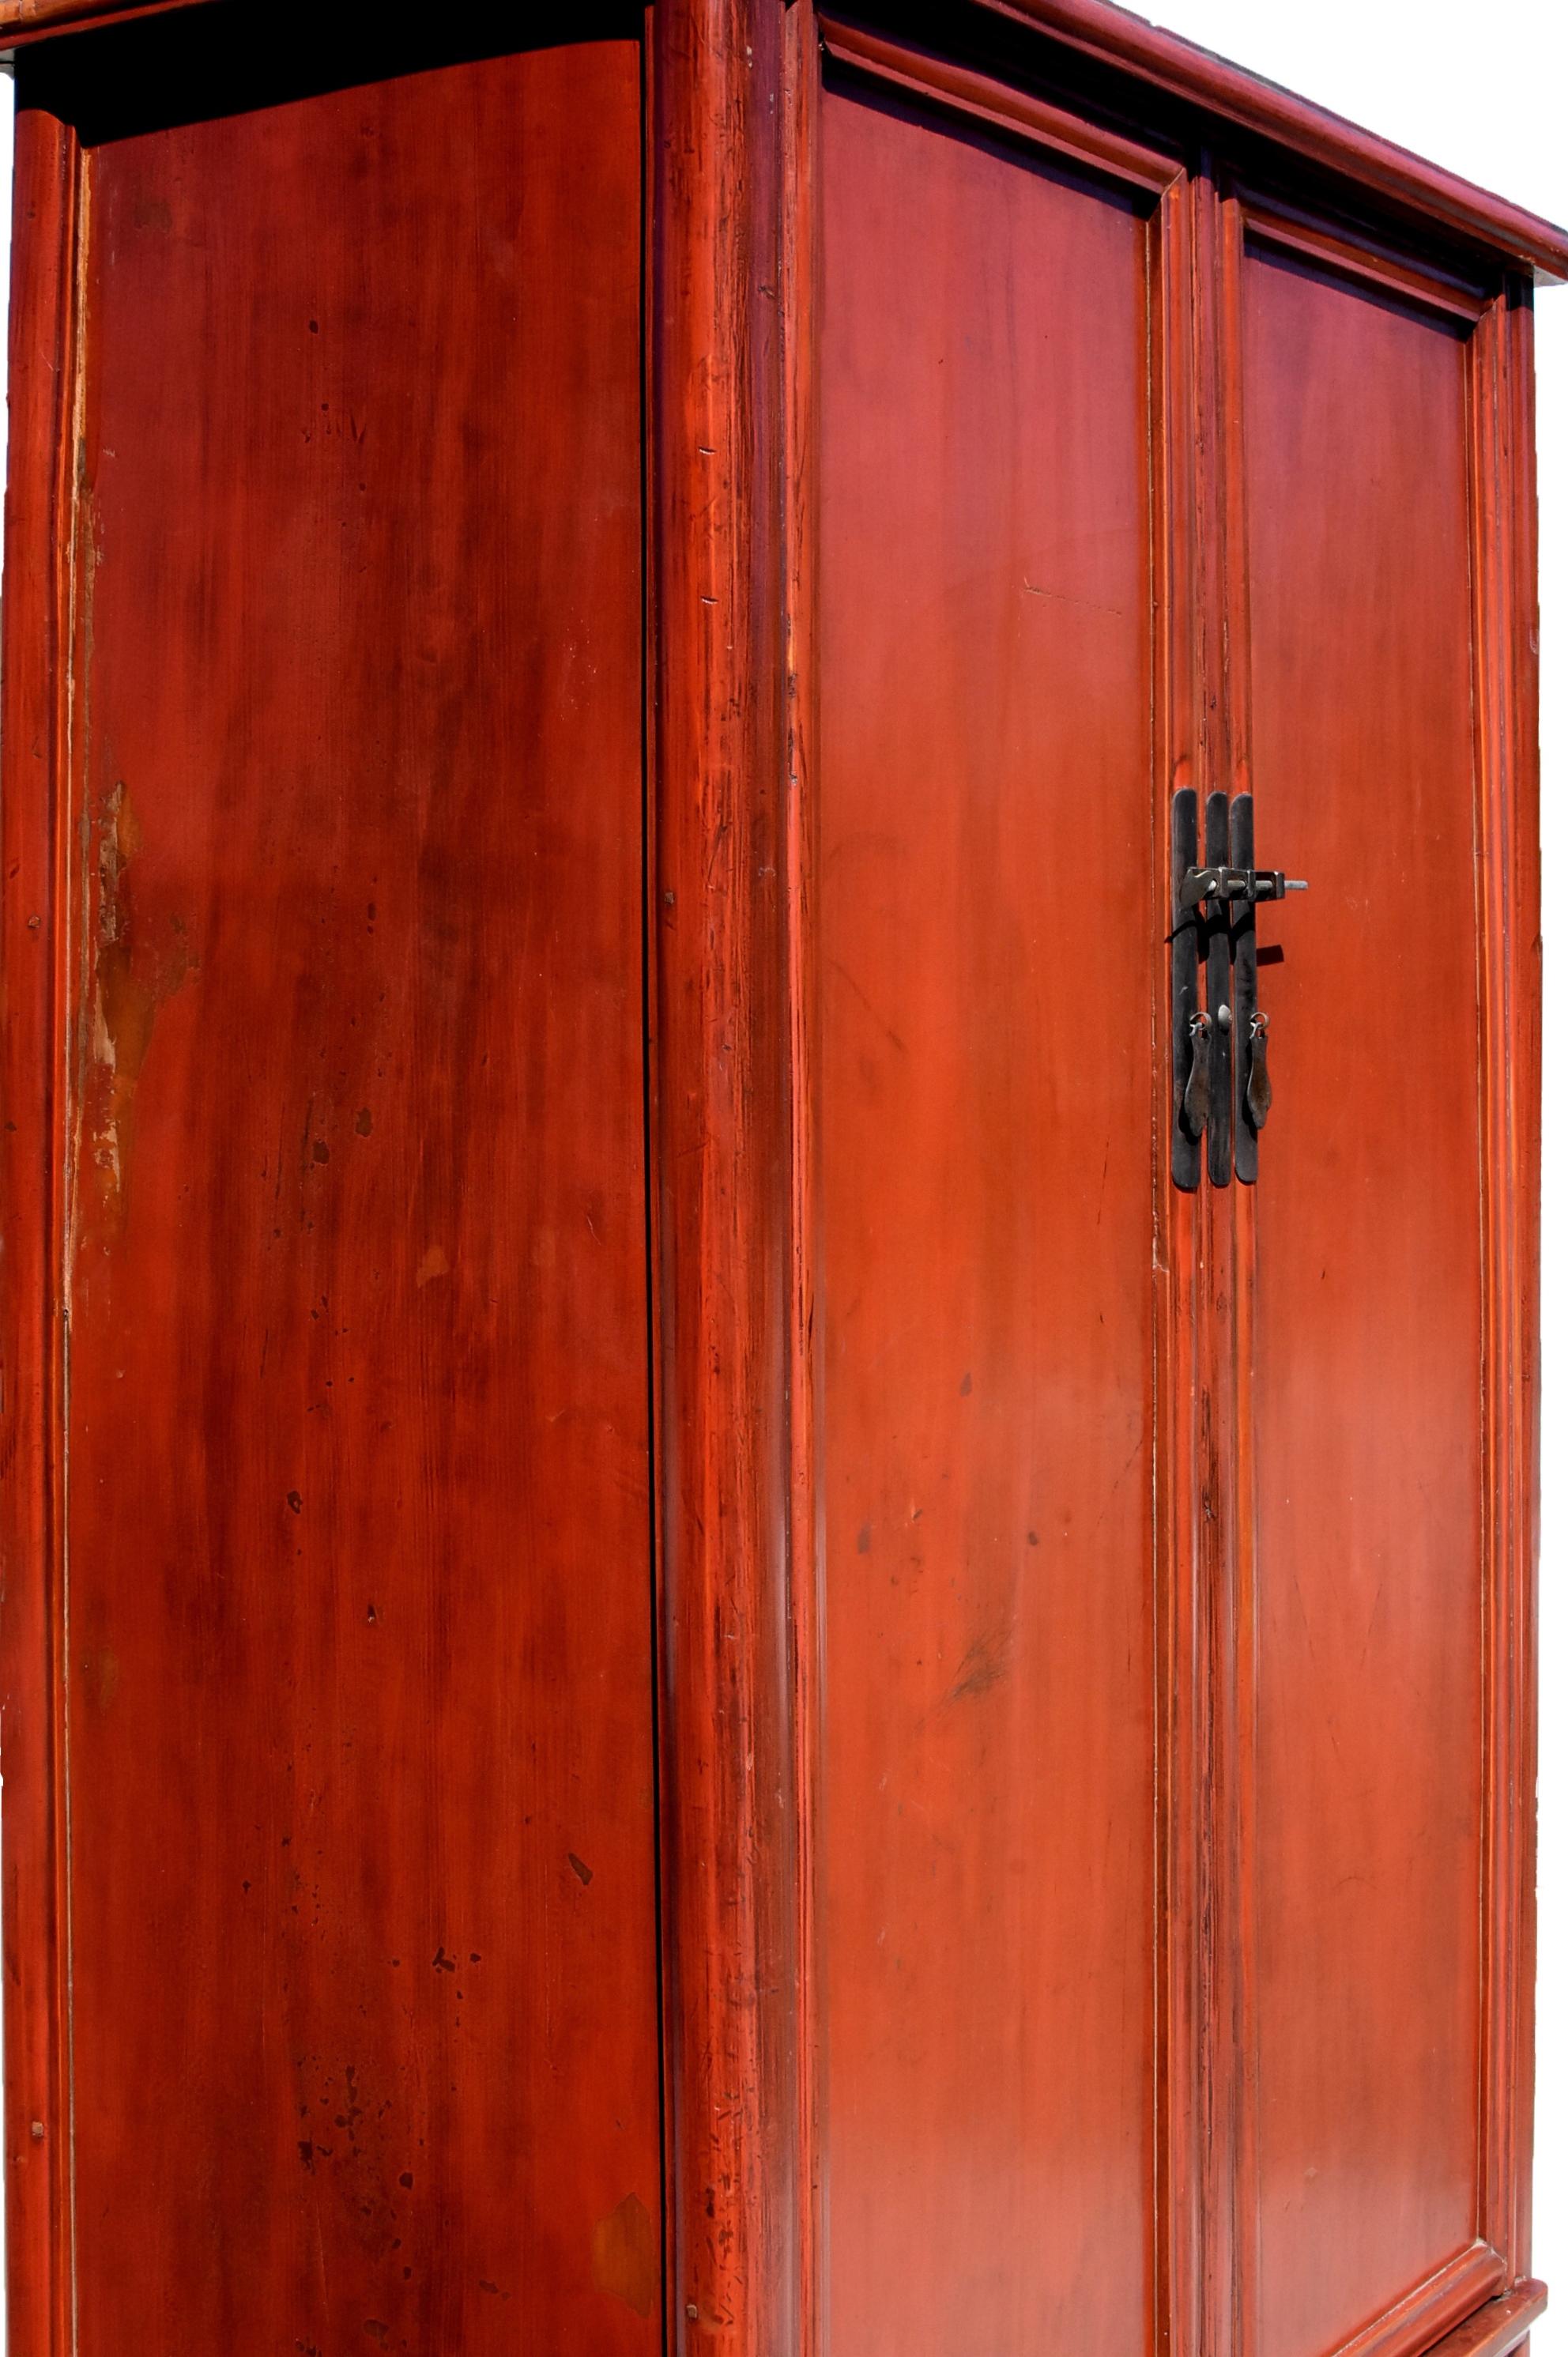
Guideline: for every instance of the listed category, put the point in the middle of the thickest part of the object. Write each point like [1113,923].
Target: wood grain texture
[723,1126]
[801,289]
[986,1116]
[362,1936]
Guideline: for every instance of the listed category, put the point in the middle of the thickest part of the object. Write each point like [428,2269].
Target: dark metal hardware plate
[1244,936]
[1216,851]
[1219,1037]
[1185,1141]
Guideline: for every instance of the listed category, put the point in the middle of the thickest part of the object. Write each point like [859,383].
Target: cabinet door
[1379,1581]
[986,1107]
[352,1593]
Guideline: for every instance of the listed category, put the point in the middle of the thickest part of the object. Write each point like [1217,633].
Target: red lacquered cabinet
[770,1452]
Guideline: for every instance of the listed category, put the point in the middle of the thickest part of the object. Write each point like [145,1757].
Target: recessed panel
[985,813]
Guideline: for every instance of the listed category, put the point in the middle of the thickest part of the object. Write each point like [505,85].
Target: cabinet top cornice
[1112,38]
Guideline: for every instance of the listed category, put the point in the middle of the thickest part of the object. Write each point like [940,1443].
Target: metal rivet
[38,2131]
[1223,1019]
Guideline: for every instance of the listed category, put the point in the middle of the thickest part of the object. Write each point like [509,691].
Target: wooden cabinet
[769,1459]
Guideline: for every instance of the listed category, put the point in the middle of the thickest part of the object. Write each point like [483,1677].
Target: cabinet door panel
[1370,1791]
[359,1755]
[986,1107]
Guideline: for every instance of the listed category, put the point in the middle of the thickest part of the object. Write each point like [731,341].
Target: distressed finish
[686,1664]
[354,1452]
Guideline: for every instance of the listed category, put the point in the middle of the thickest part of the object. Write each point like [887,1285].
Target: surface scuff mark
[626,2256]
[131,979]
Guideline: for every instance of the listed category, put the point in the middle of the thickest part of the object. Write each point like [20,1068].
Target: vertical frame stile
[1241,1715]
[35,796]
[1214,1681]
[650,1136]
[800,257]
[1178,2145]
[1508,885]
[1523,1072]
[723,1163]
[1483,372]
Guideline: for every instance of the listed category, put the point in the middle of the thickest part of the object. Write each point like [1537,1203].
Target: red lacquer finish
[720,1220]
[986,1098]
[687,1665]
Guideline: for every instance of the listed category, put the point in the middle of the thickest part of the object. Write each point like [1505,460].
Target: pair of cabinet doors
[701,1650]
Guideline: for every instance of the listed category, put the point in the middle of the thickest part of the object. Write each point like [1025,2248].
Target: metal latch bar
[1249,883]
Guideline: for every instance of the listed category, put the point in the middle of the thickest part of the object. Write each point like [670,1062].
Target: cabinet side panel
[361,1761]
[32,738]
[1370,1799]
[986,1117]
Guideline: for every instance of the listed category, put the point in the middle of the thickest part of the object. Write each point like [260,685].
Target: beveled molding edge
[1498,2327]
[1271,224]
[1438,2304]
[909,69]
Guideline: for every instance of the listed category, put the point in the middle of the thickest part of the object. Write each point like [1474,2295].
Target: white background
[1484,91]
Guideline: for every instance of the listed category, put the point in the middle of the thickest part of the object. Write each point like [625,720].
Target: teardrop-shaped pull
[1259,1088]
[1195,1100]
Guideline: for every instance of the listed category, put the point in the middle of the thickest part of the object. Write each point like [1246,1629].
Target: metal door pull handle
[1259,1088]
[1195,1100]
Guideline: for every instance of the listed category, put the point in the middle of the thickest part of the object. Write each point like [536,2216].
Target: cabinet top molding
[1115,37]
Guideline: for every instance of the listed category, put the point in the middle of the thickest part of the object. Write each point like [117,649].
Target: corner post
[720,1115]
